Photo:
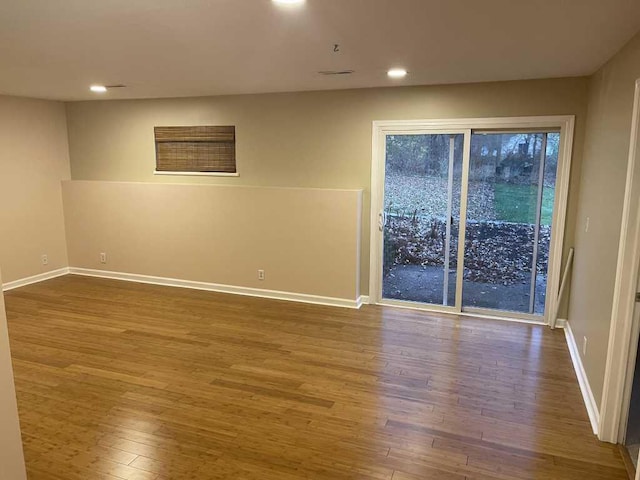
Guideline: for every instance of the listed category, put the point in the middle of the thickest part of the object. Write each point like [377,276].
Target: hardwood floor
[119,380]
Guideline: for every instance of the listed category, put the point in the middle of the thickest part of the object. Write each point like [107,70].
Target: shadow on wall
[11,455]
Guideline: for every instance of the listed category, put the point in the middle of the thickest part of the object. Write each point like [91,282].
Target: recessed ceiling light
[397,73]
[98,88]
[288,2]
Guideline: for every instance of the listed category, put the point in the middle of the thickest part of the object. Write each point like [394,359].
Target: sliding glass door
[509,211]
[421,217]
[465,218]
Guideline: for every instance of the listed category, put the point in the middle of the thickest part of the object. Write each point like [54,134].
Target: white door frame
[383,128]
[623,333]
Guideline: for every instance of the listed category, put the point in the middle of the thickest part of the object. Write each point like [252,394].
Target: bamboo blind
[196,149]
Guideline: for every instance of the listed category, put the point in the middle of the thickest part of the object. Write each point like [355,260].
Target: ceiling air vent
[330,73]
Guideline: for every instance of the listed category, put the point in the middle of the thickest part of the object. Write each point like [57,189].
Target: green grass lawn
[517,203]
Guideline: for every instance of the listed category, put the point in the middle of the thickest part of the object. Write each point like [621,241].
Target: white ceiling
[165,48]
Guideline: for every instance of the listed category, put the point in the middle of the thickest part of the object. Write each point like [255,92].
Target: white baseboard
[41,277]
[585,388]
[362,300]
[561,323]
[214,287]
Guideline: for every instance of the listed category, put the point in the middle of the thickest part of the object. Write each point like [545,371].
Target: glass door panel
[546,218]
[510,199]
[423,177]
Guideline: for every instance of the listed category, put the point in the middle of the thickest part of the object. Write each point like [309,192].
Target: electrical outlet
[584,346]
[103,258]
[260,274]
[45,259]
[586,225]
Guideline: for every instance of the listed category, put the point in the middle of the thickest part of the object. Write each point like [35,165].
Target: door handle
[637,296]
[382,220]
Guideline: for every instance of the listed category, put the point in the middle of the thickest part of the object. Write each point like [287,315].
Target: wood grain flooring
[119,380]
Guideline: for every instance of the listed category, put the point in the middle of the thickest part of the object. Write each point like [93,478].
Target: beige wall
[34,159]
[311,139]
[306,240]
[602,185]
[11,456]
